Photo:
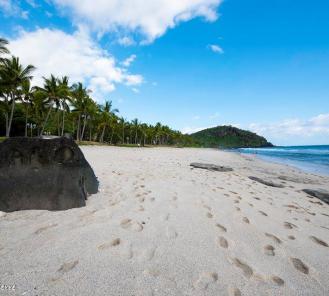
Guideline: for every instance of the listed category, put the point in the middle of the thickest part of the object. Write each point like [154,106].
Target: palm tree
[26,99]
[123,123]
[135,124]
[89,110]
[80,102]
[12,76]
[144,129]
[65,98]
[3,46]
[52,94]
[106,114]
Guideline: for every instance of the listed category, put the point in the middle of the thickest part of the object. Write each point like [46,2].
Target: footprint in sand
[171,232]
[237,209]
[151,272]
[67,266]
[245,268]
[269,250]
[276,239]
[299,265]
[131,225]
[234,291]
[318,241]
[209,215]
[41,229]
[221,227]
[221,241]
[148,254]
[205,279]
[291,237]
[289,225]
[262,213]
[245,220]
[113,243]
[279,281]
[207,207]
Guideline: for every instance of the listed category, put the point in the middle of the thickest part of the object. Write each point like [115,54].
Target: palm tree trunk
[136,137]
[78,127]
[58,124]
[112,132]
[84,127]
[11,116]
[102,135]
[123,134]
[26,115]
[6,118]
[63,123]
[45,123]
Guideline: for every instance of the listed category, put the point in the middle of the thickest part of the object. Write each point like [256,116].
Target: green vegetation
[56,108]
[229,137]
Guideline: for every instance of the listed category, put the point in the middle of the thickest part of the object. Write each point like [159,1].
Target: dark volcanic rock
[318,193]
[44,174]
[211,167]
[266,182]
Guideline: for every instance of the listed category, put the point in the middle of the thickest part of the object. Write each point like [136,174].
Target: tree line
[57,108]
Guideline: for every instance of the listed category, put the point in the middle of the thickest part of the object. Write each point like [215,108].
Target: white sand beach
[159,227]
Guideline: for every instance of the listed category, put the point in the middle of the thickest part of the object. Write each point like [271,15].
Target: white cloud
[127,62]
[320,120]
[191,130]
[317,126]
[216,48]
[11,8]
[126,41]
[196,117]
[150,18]
[77,56]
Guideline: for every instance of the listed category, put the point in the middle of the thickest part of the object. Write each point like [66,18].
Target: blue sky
[191,64]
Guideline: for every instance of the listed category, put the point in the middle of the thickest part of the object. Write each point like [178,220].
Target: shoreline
[292,165]
[159,227]
[304,165]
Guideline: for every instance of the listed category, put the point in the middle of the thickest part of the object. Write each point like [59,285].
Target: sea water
[314,159]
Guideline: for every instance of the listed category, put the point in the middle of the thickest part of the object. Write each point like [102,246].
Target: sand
[159,227]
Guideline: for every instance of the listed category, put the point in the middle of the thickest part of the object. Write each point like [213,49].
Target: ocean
[313,159]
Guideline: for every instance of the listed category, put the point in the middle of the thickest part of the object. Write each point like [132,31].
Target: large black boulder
[44,174]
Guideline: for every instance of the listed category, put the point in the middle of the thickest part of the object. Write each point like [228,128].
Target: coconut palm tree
[65,99]
[106,115]
[135,124]
[3,47]
[26,98]
[12,75]
[79,96]
[122,122]
[52,95]
[88,112]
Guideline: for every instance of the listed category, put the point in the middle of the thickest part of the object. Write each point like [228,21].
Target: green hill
[229,137]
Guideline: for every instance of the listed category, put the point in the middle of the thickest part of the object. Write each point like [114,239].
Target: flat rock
[211,167]
[266,182]
[44,174]
[318,193]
